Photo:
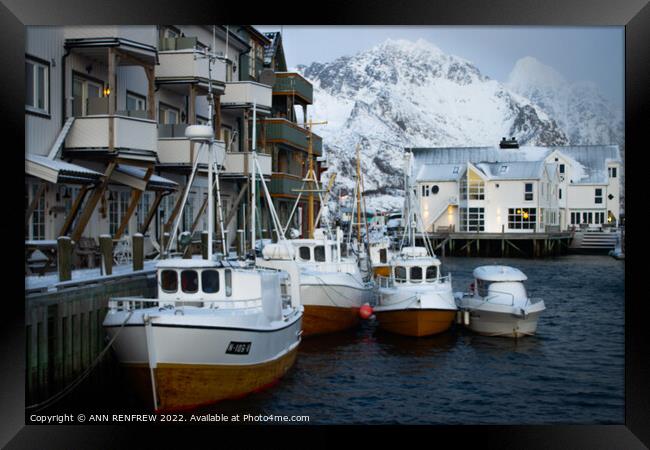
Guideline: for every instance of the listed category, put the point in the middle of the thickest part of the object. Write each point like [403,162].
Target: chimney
[509,143]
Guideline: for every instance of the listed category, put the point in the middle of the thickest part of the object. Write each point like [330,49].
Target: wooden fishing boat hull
[328,319]
[188,386]
[415,322]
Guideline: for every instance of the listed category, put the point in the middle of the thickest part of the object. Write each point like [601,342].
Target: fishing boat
[216,329]
[333,288]
[414,299]
[497,303]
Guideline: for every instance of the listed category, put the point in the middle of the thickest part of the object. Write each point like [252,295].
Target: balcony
[175,149]
[185,64]
[286,132]
[235,162]
[131,130]
[286,185]
[244,93]
[292,83]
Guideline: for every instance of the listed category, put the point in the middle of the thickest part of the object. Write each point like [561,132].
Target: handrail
[385,281]
[487,299]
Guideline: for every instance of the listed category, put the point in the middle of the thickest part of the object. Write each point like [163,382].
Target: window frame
[300,253]
[598,198]
[175,272]
[163,107]
[137,97]
[47,96]
[209,271]
[529,193]
[324,253]
[197,281]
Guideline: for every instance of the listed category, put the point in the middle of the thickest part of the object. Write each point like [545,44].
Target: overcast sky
[578,53]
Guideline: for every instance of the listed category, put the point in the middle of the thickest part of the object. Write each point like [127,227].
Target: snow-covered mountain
[400,94]
[579,108]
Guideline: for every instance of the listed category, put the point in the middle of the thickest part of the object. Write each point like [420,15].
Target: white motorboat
[498,305]
[216,330]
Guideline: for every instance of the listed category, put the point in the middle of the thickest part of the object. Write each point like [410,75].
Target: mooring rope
[324,284]
[65,391]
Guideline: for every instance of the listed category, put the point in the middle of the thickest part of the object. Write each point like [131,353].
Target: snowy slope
[400,94]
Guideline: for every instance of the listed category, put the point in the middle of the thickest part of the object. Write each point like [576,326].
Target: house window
[167,114]
[503,169]
[37,86]
[559,193]
[251,58]
[598,198]
[118,203]
[562,168]
[434,189]
[425,190]
[37,227]
[476,190]
[135,102]
[455,171]
[612,172]
[528,191]
[188,212]
[84,93]
[472,219]
[143,208]
[522,218]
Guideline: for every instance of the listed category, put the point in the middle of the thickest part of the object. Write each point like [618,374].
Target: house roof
[589,161]
[272,49]
[440,172]
[58,171]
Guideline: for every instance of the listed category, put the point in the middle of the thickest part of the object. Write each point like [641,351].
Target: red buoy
[365,311]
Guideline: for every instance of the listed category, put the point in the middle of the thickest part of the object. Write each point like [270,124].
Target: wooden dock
[527,245]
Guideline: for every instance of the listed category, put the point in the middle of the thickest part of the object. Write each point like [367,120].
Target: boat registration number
[238,348]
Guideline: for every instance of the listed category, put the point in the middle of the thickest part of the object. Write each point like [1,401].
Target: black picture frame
[633,14]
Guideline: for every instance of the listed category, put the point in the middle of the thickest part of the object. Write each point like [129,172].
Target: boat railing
[387,282]
[384,282]
[130,303]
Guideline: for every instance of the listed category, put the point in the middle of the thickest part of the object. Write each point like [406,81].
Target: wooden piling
[106,249]
[138,251]
[64,257]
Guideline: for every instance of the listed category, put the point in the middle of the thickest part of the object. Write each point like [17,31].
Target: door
[82,90]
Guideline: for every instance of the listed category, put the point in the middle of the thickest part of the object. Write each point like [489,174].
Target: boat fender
[365,311]
[466,317]
[459,317]
[523,313]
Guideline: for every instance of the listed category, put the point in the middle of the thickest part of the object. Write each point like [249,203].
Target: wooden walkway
[500,244]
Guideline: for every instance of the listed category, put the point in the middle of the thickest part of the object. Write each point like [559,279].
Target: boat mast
[358,196]
[253,181]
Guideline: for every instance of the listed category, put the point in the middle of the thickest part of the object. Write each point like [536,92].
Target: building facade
[105,117]
[517,190]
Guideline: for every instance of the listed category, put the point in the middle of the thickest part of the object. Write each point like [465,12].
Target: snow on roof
[270,49]
[516,170]
[588,162]
[139,173]
[499,273]
[61,166]
[180,263]
[440,172]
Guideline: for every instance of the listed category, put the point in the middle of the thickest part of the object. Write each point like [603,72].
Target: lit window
[522,218]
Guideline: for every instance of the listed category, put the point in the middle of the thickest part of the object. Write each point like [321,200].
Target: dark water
[572,371]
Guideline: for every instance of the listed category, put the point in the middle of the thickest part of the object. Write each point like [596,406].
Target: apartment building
[105,116]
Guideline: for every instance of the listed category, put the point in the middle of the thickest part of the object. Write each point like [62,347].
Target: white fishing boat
[217,329]
[414,298]
[332,286]
[498,305]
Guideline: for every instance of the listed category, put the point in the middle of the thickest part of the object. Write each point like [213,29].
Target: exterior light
[519,211]
[609,219]
[525,215]
[107,91]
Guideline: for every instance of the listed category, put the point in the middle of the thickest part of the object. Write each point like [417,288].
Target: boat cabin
[413,266]
[315,250]
[198,282]
[500,284]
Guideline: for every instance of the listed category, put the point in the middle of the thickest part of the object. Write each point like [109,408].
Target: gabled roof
[440,172]
[589,162]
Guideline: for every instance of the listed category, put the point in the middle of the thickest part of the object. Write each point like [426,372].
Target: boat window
[432,273]
[482,287]
[383,256]
[189,281]
[169,280]
[319,253]
[228,276]
[416,274]
[400,274]
[304,253]
[210,281]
